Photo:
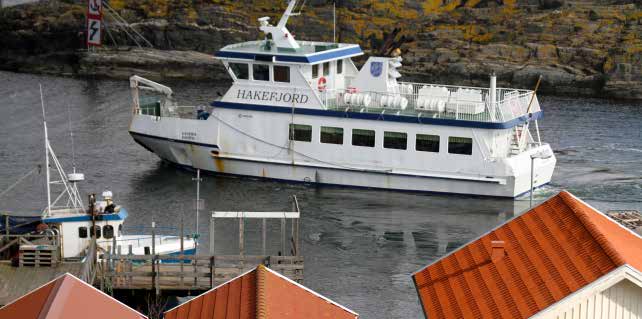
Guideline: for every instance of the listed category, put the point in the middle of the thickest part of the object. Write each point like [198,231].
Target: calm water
[360,246]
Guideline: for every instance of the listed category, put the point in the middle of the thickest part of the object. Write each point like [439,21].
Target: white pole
[493,95]
[532,169]
[198,203]
[44,122]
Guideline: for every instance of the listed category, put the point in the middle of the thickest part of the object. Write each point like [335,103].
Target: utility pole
[198,203]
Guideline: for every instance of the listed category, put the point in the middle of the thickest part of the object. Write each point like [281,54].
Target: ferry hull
[204,157]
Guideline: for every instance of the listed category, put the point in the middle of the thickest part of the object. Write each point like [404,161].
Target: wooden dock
[17,281]
[186,275]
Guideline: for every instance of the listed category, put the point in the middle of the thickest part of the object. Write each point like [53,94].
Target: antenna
[44,123]
[71,136]
[334,21]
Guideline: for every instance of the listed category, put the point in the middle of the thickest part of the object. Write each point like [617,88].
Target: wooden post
[130,266]
[212,228]
[182,250]
[241,243]
[282,236]
[153,238]
[212,271]
[264,236]
[6,224]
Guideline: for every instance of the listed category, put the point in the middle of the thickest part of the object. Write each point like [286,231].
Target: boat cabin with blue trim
[303,111]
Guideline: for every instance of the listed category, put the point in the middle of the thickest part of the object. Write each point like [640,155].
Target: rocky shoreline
[587,48]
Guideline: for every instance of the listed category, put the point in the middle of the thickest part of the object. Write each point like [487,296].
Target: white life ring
[322,84]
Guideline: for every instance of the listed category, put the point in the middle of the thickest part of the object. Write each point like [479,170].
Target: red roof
[70,298]
[260,293]
[548,253]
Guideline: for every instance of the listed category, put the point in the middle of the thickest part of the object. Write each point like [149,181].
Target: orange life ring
[322,83]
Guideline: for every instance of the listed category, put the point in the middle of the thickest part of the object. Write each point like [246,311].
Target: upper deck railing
[437,101]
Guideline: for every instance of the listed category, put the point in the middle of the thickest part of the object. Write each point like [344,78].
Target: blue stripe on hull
[380,117]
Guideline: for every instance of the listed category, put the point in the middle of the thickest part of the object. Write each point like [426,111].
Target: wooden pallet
[38,256]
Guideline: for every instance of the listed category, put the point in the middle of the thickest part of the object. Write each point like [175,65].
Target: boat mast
[44,122]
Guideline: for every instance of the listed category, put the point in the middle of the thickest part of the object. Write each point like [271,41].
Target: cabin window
[331,135]
[261,72]
[363,138]
[108,231]
[460,145]
[282,73]
[326,68]
[241,70]
[427,143]
[395,140]
[315,71]
[95,231]
[299,132]
[82,232]
[120,230]
[339,66]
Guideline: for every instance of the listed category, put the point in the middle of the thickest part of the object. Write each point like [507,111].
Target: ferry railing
[435,101]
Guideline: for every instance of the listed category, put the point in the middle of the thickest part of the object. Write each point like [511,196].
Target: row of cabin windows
[261,72]
[326,69]
[391,140]
[107,231]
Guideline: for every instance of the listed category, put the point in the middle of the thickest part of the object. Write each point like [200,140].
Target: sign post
[94,23]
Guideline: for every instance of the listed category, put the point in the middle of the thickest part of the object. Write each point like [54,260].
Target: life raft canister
[322,84]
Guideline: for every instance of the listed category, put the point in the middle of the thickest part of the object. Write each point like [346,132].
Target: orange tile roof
[260,293]
[549,252]
[70,298]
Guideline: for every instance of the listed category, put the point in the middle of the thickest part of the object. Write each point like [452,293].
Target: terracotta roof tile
[260,293]
[70,298]
[550,252]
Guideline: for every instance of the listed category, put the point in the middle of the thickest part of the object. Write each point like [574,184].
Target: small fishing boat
[302,111]
[70,226]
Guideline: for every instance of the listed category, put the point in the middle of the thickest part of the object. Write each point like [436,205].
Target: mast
[44,123]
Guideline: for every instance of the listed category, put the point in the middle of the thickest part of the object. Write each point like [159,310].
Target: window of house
[282,73]
[108,231]
[363,138]
[261,72]
[241,70]
[82,232]
[460,145]
[299,132]
[339,66]
[331,135]
[315,71]
[326,68]
[395,140]
[95,231]
[427,143]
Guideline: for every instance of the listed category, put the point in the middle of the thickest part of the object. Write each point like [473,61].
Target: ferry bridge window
[108,231]
[241,70]
[395,140]
[315,71]
[363,138]
[300,132]
[261,72]
[339,66]
[460,145]
[95,230]
[331,135]
[282,73]
[326,68]
[82,232]
[427,143]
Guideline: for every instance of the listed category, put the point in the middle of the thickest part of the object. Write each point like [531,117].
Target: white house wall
[621,301]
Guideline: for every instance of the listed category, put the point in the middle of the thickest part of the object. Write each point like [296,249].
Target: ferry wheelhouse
[302,111]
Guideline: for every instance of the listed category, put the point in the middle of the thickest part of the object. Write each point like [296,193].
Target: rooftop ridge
[609,248]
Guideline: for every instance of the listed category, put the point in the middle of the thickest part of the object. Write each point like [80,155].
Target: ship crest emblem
[376,68]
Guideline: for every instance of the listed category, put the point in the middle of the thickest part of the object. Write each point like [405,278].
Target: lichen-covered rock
[587,47]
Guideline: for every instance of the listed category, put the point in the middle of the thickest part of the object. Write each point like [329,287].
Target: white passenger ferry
[302,111]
